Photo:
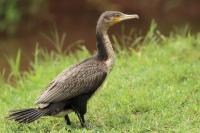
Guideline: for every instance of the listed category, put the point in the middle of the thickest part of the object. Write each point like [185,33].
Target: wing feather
[70,84]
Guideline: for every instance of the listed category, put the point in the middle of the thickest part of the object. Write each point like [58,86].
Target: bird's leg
[67,120]
[81,119]
[80,108]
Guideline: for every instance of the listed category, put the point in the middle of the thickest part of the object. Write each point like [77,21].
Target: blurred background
[23,23]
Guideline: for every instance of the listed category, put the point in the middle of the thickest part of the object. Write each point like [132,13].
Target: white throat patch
[109,63]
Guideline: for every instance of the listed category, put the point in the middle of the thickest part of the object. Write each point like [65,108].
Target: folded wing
[72,83]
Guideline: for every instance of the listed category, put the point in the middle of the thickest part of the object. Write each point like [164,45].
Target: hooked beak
[126,16]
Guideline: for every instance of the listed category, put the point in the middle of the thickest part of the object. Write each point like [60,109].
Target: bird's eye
[117,15]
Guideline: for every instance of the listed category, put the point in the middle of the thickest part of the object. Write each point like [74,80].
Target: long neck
[104,46]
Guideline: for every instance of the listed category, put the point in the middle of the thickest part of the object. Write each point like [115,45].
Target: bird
[70,90]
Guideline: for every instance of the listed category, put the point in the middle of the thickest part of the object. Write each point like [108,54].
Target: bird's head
[109,18]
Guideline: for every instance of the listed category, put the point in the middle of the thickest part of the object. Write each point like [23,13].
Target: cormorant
[71,89]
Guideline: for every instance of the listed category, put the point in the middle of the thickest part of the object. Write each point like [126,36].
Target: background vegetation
[154,87]
[33,14]
[22,22]
[13,12]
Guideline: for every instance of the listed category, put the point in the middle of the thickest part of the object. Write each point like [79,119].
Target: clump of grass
[56,40]
[126,40]
[15,66]
[134,41]
[158,92]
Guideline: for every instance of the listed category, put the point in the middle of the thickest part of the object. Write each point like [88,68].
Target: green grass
[155,90]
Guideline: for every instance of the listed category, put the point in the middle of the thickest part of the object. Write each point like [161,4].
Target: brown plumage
[71,90]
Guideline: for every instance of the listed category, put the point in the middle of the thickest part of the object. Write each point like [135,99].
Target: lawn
[154,90]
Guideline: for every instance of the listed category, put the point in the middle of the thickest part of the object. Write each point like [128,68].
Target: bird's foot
[83,125]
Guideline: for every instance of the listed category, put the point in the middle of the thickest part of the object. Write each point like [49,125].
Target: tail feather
[25,115]
[14,113]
